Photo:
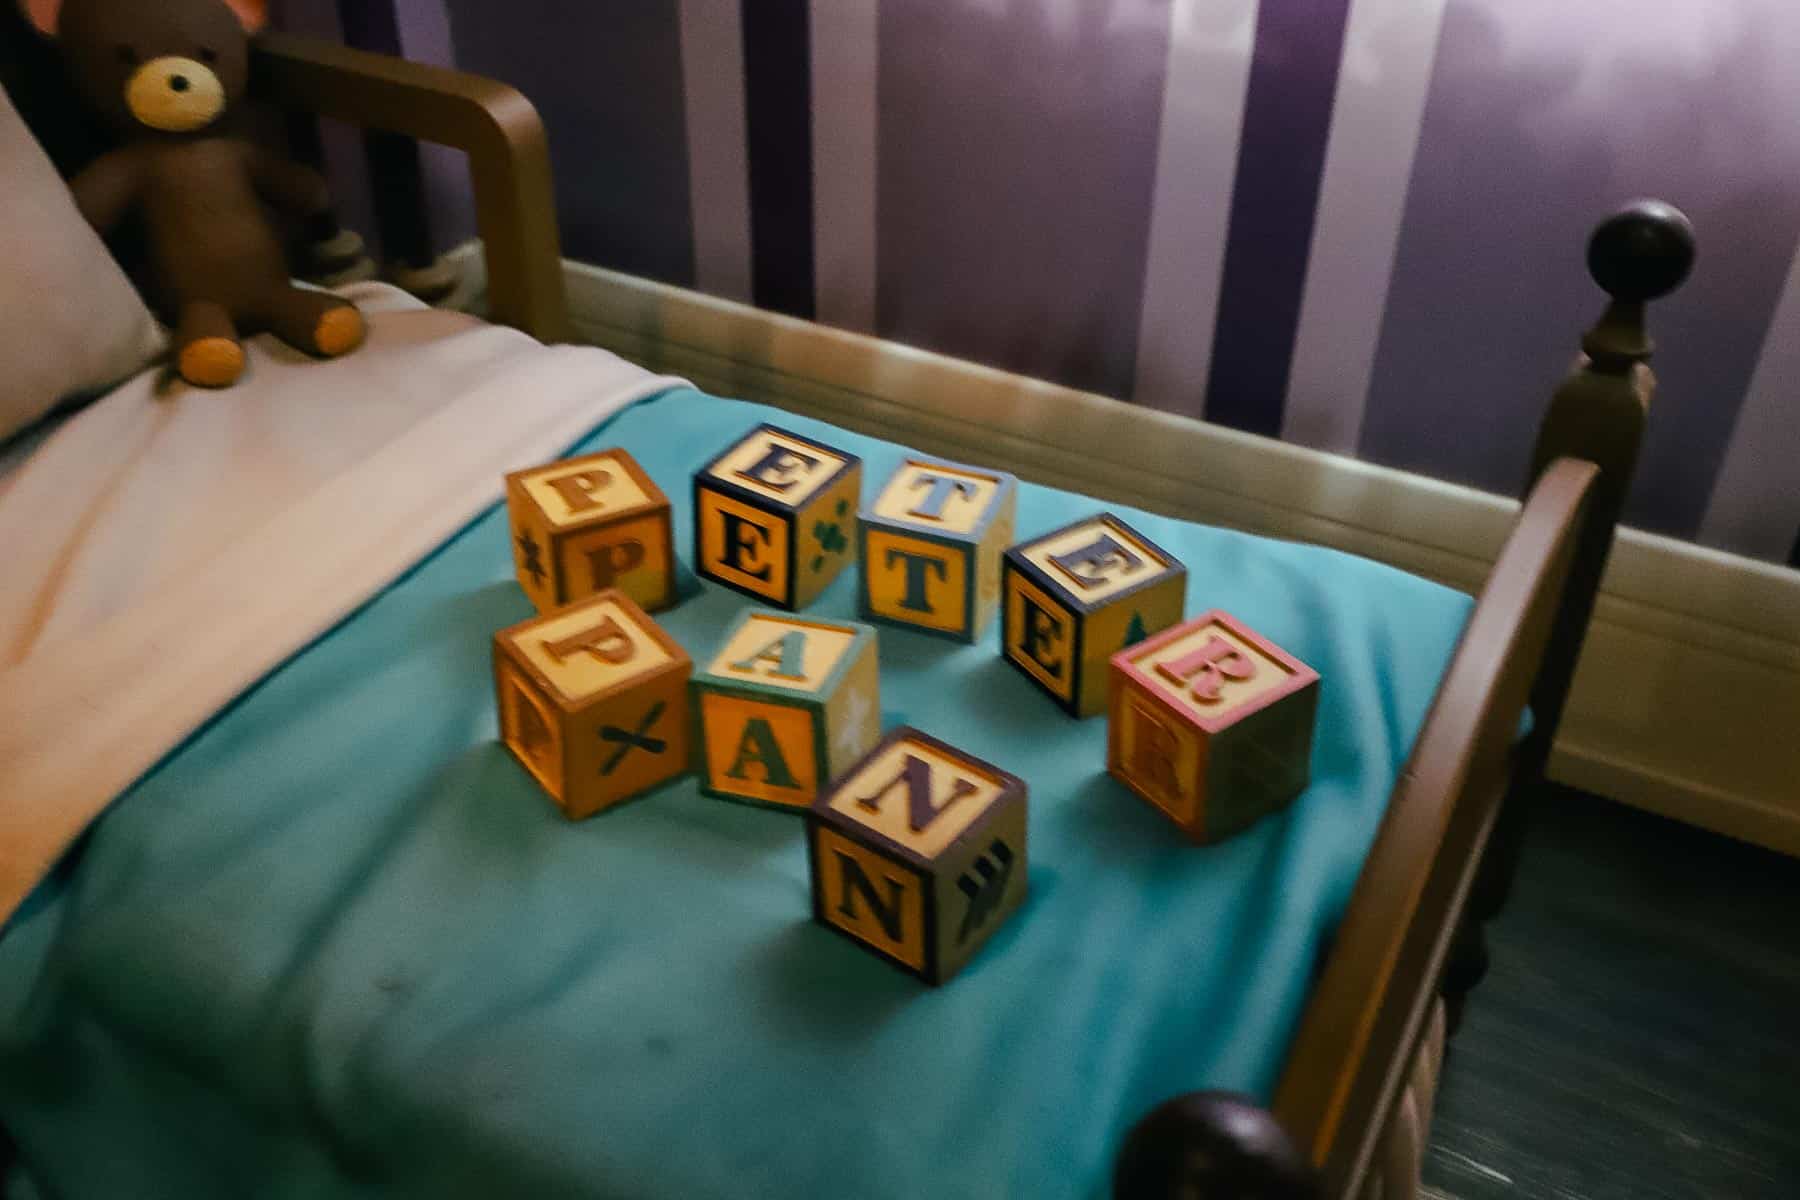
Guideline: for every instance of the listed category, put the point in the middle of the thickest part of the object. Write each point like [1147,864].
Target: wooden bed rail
[1443,857]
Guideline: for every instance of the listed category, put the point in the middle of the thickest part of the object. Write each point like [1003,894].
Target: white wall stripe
[712,78]
[1208,72]
[844,71]
[1755,505]
[1383,80]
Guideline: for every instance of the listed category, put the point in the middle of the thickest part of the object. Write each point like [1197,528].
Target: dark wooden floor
[1638,1034]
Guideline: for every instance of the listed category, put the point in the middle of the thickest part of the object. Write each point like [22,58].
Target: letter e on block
[918,853]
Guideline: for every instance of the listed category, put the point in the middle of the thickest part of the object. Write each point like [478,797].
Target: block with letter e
[583,525]
[593,702]
[1212,724]
[785,705]
[775,516]
[918,853]
[931,547]
[1075,596]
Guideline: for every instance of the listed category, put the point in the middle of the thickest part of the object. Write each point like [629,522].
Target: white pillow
[70,321]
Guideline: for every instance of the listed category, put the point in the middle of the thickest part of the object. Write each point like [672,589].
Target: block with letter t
[1075,596]
[918,853]
[1212,724]
[775,516]
[786,704]
[593,702]
[583,525]
[931,547]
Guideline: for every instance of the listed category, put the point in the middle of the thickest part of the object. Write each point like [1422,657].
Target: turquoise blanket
[339,944]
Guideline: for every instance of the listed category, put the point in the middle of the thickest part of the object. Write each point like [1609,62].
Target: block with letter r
[775,516]
[918,853]
[787,704]
[931,547]
[592,701]
[1073,597]
[582,525]
[1212,724]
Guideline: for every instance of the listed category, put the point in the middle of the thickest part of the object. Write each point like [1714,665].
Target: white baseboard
[1687,702]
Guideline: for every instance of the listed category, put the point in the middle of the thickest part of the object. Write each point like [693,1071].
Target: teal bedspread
[339,944]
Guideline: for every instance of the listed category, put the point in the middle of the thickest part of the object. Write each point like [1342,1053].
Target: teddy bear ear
[43,14]
[253,14]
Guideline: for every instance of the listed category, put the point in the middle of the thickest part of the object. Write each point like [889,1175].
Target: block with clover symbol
[932,544]
[917,853]
[775,516]
[1212,724]
[593,702]
[583,525]
[785,706]
[1076,595]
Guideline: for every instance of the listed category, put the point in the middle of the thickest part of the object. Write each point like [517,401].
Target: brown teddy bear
[168,75]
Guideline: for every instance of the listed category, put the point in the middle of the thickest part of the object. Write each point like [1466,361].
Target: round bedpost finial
[1644,250]
[1203,1145]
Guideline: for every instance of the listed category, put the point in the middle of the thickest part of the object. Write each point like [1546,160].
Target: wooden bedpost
[1643,251]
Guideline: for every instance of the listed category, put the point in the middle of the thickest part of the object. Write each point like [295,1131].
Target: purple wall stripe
[845,56]
[1287,116]
[778,119]
[712,74]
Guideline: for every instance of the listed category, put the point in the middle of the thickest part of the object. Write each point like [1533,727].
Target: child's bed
[329,939]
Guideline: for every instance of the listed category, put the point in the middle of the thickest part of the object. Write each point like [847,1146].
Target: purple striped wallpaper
[1008,158]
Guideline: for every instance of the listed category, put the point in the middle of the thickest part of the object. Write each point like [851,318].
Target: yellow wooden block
[775,516]
[1075,596]
[583,525]
[932,544]
[592,701]
[918,853]
[786,704]
[1212,724]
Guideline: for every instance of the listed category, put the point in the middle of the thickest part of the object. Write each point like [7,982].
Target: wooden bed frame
[1444,855]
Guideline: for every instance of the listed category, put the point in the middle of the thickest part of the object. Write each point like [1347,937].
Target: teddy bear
[168,76]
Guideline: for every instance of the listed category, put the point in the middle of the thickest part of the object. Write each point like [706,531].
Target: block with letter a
[918,853]
[786,704]
[593,702]
[1073,597]
[931,547]
[582,525]
[775,516]
[1212,724]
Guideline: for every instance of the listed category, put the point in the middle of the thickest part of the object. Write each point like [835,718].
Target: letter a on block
[916,777]
[786,653]
[606,641]
[757,746]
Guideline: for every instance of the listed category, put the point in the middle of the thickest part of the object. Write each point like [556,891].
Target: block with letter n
[918,853]
[593,702]
[931,547]
[1212,723]
[775,516]
[582,525]
[787,704]
[1078,594]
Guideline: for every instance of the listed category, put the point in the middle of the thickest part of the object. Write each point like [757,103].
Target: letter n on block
[1075,596]
[785,705]
[593,702]
[775,516]
[1212,724]
[931,547]
[918,853]
[582,525]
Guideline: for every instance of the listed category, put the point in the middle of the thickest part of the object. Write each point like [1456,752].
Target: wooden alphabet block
[583,525]
[1212,724]
[1076,595]
[785,706]
[593,702]
[918,853]
[775,516]
[931,547]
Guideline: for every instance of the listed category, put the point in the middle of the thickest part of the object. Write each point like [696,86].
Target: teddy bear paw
[339,331]
[211,362]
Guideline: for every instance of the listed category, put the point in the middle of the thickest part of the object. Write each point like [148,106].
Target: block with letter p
[583,525]
[918,853]
[775,516]
[785,705]
[931,546]
[593,702]
[1212,724]
[1074,596]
